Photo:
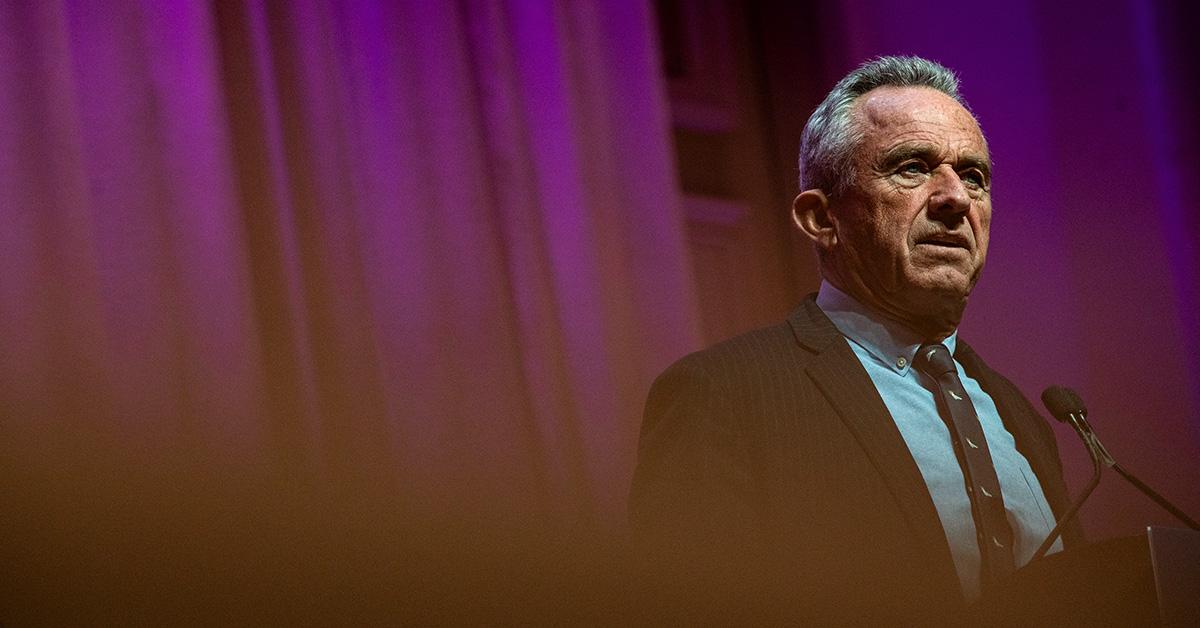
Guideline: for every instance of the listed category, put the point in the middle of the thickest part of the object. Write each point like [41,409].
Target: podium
[1150,579]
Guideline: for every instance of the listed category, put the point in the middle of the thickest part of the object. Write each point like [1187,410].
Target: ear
[810,213]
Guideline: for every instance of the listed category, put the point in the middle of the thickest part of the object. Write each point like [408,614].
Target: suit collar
[813,330]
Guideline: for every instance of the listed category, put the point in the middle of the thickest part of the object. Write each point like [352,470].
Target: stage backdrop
[278,280]
[279,266]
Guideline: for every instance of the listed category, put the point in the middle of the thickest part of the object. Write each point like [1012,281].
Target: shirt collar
[889,342]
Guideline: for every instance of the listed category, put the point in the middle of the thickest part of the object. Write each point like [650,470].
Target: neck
[931,317]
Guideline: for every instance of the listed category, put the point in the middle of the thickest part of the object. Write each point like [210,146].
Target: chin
[946,283]
[946,291]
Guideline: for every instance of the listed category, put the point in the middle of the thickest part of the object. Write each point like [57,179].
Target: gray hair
[829,138]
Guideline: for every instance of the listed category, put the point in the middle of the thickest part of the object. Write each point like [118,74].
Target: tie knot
[934,360]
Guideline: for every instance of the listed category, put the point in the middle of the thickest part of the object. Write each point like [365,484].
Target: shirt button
[901,362]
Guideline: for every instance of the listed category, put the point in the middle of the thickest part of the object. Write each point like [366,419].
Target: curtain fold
[268,260]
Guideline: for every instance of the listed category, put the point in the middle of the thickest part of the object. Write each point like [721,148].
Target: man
[843,458]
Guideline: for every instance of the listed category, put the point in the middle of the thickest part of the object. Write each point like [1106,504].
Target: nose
[949,199]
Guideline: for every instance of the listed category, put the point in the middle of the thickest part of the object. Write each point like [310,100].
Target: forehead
[891,116]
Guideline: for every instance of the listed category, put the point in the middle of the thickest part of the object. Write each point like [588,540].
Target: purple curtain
[271,267]
[285,286]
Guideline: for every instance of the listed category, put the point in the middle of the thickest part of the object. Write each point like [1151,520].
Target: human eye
[914,167]
[974,178]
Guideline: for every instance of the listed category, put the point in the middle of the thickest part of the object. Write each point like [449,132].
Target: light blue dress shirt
[886,349]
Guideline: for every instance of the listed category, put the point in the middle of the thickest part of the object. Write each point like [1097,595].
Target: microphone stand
[1095,451]
[1158,499]
[1138,484]
[1100,459]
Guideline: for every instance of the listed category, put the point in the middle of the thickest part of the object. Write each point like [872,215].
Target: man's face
[912,229]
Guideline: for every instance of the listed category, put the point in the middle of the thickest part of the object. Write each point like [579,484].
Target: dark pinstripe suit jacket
[774,448]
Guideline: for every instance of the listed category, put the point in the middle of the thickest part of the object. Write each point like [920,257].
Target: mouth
[945,241]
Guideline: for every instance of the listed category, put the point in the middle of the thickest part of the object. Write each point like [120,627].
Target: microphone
[1066,406]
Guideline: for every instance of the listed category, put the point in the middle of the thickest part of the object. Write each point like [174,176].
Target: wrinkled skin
[909,237]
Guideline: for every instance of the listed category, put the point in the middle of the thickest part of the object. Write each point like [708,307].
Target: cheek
[985,226]
[893,233]
[983,213]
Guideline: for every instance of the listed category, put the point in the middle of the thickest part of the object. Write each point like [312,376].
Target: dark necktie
[987,504]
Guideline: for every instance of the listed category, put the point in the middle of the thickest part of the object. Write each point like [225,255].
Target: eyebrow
[904,152]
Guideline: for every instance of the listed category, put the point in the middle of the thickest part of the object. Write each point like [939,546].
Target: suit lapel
[840,376]
[1011,415]
[1018,422]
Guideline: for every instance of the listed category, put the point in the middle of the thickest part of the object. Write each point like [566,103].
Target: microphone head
[1062,402]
